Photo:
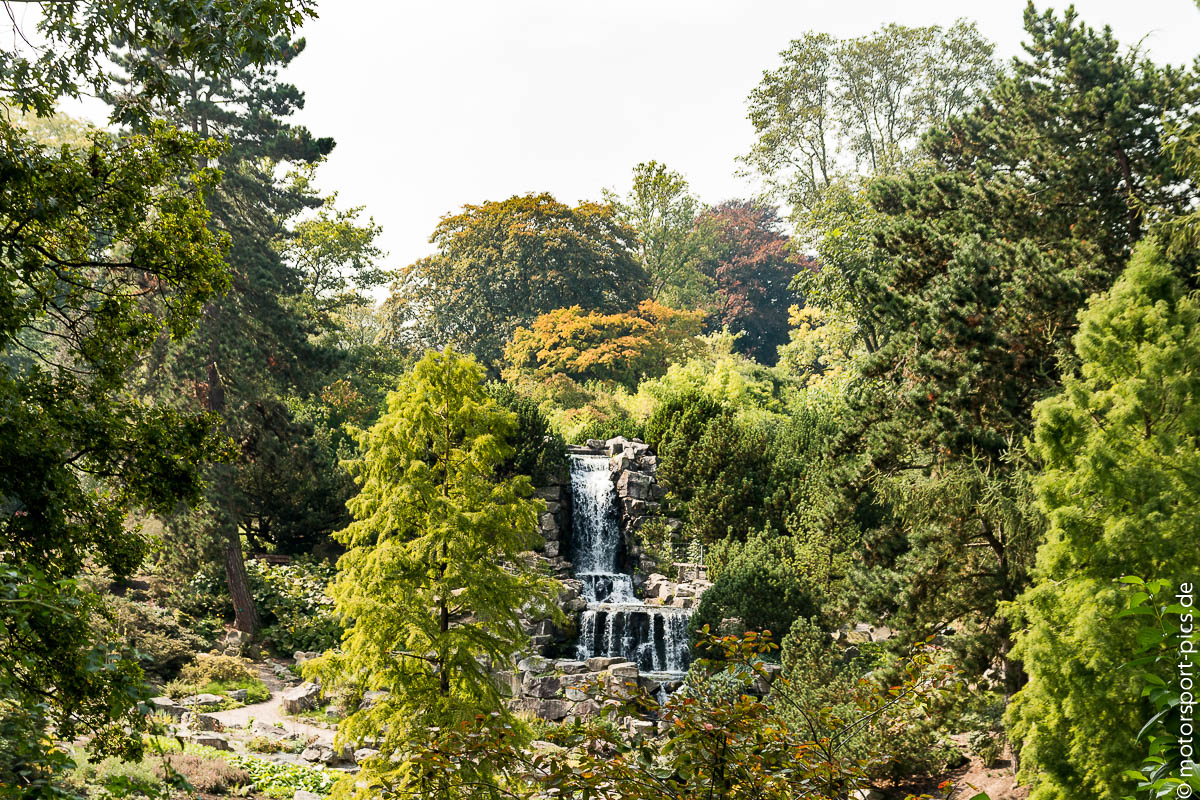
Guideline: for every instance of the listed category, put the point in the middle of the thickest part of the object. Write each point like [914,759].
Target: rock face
[300,698]
[567,689]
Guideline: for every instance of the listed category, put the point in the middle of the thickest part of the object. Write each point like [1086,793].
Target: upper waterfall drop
[616,623]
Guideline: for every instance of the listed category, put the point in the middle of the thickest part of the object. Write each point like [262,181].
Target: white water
[616,624]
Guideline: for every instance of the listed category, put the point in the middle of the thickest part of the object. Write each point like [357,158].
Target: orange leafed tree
[585,345]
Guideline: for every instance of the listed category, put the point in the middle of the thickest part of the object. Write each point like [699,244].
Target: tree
[501,264]
[1030,203]
[267,346]
[1121,490]
[750,265]
[106,248]
[859,106]
[431,589]
[661,208]
[624,348]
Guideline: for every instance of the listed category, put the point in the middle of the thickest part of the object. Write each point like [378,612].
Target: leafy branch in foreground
[716,737]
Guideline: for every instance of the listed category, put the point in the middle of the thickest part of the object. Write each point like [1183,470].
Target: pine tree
[434,581]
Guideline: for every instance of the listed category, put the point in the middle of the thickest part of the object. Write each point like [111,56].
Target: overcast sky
[436,104]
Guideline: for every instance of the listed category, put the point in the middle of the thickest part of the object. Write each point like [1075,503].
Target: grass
[317,714]
[256,691]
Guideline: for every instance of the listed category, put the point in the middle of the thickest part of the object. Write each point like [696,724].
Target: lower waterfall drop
[616,623]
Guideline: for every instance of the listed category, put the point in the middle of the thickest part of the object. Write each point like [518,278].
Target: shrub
[296,609]
[758,588]
[208,775]
[539,452]
[158,635]
[283,780]
[206,668]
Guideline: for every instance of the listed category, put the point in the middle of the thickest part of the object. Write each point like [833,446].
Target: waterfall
[616,623]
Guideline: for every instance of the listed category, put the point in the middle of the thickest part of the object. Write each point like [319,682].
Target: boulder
[594,444]
[641,727]
[615,445]
[300,698]
[635,485]
[546,687]
[269,731]
[535,665]
[583,710]
[571,667]
[364,753]
[552,710]
[201,700]
[201,722]
[237,694]
[318,753]
[300,656]
[600,663]
[165,705]
[623,669]
[209,739]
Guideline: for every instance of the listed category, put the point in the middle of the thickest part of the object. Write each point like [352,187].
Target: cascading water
[616,623]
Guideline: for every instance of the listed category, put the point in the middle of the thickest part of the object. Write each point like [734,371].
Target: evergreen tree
[258,349]
[1121,490]
[434,582]
[1031,203]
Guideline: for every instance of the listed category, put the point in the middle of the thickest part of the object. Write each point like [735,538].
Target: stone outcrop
[300,698]
[567,689]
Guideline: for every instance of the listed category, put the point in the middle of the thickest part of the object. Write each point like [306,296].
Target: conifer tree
[1121,489]
[433,584]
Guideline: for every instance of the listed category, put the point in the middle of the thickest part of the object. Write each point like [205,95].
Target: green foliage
[432,582]
[663,211]
[297,611]
[538,451]
[160,636]
[719,741]
[837,107]
[501,264]
[759,588]
[1166,648]
[1121,447]
[280,780]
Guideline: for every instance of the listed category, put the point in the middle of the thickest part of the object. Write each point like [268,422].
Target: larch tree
[432,587]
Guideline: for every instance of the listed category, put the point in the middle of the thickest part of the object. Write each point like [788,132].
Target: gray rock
[201,700]
[237,694]
[371,698]
[600,663]
[201,722]
[535,664]
[553,710]
[594,444]
[300,698]
[546,687]
[364,753]
[269,731]
[318,754]
[641,727]
[614,445]
[165,705]
[300,656]
[623,669]
[577,693]
[209,739]
[635,485]
[571,667]
[548,493]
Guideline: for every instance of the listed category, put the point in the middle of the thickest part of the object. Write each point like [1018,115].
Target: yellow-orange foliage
[623,347]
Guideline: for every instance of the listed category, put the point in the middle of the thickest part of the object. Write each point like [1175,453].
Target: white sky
[437,104]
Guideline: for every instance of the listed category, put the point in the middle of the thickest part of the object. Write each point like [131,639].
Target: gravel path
[271,712]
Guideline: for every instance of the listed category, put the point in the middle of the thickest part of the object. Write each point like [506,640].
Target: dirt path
[271,712]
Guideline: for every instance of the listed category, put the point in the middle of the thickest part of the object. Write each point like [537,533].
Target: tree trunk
[245,614]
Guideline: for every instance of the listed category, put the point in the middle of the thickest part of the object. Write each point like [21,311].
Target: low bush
[216,674]
[208,775]
[112,776]
[281,781]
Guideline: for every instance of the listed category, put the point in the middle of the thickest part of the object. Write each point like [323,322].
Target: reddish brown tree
[750,262]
